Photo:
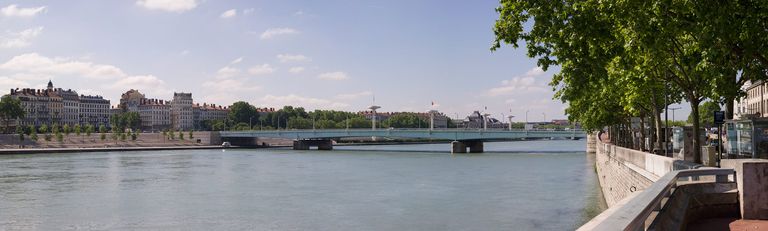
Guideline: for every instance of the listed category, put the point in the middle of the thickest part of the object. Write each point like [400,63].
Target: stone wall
[94,141]
[623,171]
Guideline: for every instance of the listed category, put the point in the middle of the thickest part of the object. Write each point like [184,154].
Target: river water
[524,185]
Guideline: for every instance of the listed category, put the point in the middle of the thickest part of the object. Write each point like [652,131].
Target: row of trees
[244,116]
[623,59]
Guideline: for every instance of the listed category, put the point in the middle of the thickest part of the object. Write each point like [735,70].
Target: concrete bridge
[462,138]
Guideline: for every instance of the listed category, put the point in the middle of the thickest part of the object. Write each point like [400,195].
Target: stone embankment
[94,141]
[622,171]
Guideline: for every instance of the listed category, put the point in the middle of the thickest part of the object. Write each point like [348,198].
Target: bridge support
[458,147]
[475,146]
[306,144]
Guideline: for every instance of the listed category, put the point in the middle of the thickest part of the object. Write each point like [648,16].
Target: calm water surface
[528,185]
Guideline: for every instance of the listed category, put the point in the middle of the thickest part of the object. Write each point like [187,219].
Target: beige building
[94,110]
[755,103]
[208,112]
[58,106]
[181,111]
[155,114]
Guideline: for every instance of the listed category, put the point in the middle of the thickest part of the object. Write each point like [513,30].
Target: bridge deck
[445,134]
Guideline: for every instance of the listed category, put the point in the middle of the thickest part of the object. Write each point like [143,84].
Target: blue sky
[315,54]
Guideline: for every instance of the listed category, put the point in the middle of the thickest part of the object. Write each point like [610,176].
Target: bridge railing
[634,214]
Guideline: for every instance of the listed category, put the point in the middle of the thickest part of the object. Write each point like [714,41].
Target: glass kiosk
[747,138]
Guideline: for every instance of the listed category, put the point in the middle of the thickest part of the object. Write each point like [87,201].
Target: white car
[226,144]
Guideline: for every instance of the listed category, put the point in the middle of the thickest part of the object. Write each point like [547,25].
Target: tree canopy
[10,109]
[621,59]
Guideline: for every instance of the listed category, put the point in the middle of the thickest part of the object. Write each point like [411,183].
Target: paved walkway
[729,224]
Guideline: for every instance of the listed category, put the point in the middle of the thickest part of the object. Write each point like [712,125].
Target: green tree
[33,136]
[171,135]
[242,112]
[356,122]
[405,120]
[134,136]
[78,130]
[20,132]
[67,129]
[30,129]
[190,135]
[10,109]
[707,110]
[123,136]
[59,137]
[102,128]
[44,129]
[55,128]
[298,123]
[611,51]
[181,135]
[88,129]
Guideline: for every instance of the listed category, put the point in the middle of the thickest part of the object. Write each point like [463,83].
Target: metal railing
[633,214]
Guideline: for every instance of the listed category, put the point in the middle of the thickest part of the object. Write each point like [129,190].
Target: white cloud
[34,63]
[13,10]
[284,58]
[227,72]
[236,61]
[521,84]
[20,39]
[149,84]
[229,13]
[333,76]
[262,69]
[230,85]
[248,11]
[272,32]
[296,70]
[168,5]
[9,83]
[536,71]
[352,96]
[298,13]
[300,101]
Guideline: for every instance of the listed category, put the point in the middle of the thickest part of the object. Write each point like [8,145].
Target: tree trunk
[696,133]
[642,132]
[729,108]
[652,132]
[659,134]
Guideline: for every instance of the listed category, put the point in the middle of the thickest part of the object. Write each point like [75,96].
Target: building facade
[52,105]
[207,112]
[181,111]
[155,114]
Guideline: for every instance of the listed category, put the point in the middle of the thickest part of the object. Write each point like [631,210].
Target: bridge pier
[458,147]
[475,146]
[306,144]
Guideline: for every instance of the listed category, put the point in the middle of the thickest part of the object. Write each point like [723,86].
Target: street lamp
[250,123]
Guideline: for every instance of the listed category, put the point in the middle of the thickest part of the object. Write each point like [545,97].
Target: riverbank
[102,149]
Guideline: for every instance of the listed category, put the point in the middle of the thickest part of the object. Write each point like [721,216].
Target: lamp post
[673,109]
[250,123]
[526,120]
[432,119]
[373,119]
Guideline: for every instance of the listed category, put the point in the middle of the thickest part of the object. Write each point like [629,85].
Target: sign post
[719,121]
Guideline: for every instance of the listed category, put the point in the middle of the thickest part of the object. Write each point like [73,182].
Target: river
[524,185]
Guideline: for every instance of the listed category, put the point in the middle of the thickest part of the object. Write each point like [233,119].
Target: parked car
[225,144]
